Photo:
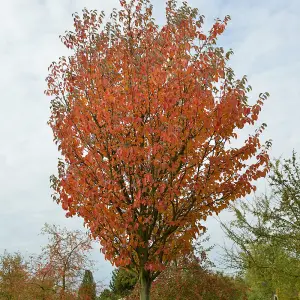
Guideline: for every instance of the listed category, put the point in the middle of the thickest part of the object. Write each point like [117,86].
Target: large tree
[145,117]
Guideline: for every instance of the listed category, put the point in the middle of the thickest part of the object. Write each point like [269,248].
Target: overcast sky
[263,34]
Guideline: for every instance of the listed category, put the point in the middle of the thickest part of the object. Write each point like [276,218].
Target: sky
[264,36]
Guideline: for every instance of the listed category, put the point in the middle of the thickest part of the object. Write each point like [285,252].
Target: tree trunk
[145,285]
[64,283]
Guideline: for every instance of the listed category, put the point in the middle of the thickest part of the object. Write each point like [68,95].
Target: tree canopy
[145,117]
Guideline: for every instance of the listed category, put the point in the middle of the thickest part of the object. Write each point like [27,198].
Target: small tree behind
[107,294]
[87,289]
[14,277]
[122,282]
[43,278]
[65,256]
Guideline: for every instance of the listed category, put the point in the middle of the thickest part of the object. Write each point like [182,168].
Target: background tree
[14,277]
[144,118]
[65,256]
[107,294]
[266,234]
[43,279]
[284,211]
[87,289]
[122,282]
[270,270]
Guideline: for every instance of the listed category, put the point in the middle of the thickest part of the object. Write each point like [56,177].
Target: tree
[87,290]
[122,282]
[43,278]
[271,271]
[107,295]
[14,276]
[50,275]
[266,233]
[64,257]
[284,211]
[144,118]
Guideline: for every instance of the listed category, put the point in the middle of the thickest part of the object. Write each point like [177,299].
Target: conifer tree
[87,290]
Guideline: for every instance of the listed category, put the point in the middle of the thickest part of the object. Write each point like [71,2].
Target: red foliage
[145,118]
